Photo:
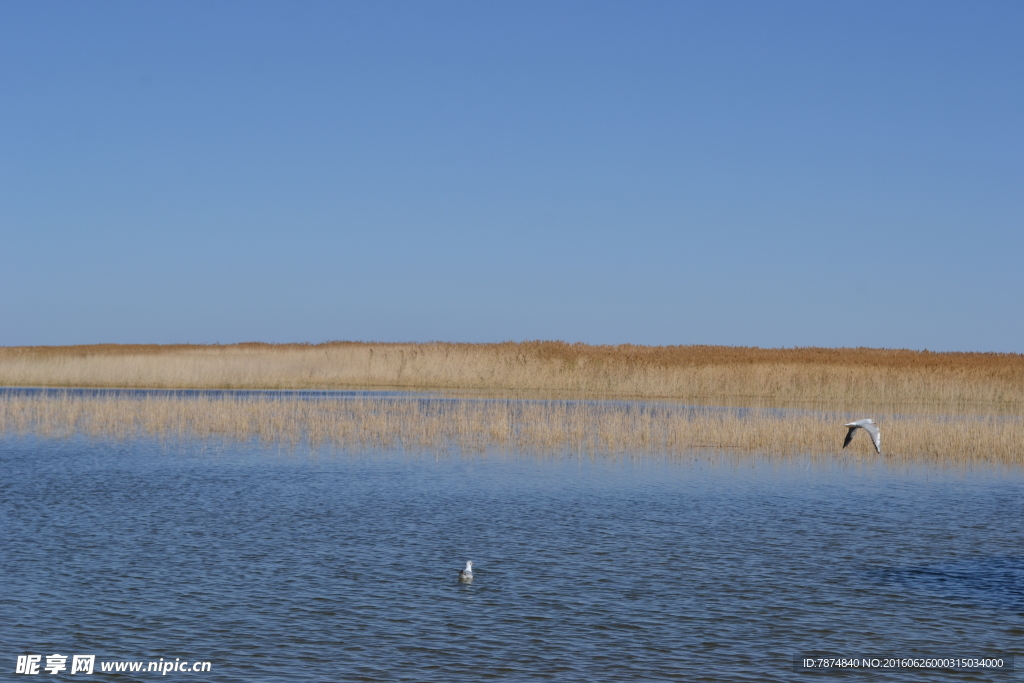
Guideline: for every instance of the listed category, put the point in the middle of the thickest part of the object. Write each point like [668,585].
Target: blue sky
[763,173]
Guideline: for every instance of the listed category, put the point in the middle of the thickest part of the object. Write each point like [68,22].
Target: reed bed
[515,425]
[836,379]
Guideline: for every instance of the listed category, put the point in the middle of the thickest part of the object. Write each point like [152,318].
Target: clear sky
[762,173]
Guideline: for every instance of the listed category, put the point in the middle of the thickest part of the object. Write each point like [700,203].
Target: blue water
[296,566]
[289,394]
[423,398]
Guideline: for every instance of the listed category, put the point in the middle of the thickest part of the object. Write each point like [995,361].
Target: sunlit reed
[839,379]
[539,426]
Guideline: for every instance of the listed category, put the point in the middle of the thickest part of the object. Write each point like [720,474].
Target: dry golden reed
[835,379]
[516,425]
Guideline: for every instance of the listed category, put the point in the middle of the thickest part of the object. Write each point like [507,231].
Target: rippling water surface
[302,566]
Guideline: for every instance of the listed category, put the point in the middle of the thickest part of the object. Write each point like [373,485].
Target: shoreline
[976,383]
[526,426]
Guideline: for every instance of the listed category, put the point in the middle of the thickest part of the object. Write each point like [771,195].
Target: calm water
[281,566]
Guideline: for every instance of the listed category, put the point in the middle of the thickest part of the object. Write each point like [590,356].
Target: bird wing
[876,435]
[849,436]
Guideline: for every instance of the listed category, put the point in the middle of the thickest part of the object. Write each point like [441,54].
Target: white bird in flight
[870,427]
[466,575]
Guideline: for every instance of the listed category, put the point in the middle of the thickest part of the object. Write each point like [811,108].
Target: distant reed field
[837,379]
[534,426]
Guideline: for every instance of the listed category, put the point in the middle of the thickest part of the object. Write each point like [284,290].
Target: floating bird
[466,575]
[870,427]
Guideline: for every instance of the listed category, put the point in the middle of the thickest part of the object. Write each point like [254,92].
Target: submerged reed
[538,426]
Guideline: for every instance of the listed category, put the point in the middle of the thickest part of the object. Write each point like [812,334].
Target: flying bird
[466,575]
[867,425]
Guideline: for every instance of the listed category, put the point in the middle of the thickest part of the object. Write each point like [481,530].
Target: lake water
[298,566]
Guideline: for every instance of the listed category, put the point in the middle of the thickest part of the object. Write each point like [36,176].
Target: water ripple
[340,567]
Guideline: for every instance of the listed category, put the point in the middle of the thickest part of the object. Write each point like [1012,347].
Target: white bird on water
[466,575]
[867,425]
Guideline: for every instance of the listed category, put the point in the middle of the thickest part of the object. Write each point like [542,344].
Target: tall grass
[562,426]
[944,407]
[839,379]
